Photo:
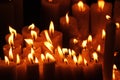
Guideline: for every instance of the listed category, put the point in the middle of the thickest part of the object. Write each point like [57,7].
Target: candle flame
[32,51]
[36,60]
[95,56]
[80,60]
[99,48]
[49,56]
[108,17]
[81,5]
[103,34]
[18,59]
[60,51]
[7,60]
[30,58]
[47,36]
[101,4]
[29,41]
[85,62]
[49,45]
[75,41]
[65,60]
[84,43]
[72,52]
[32,26]
[90,38]
[42,57]
[12,31]
[67,18]
[115,53]
[117,25]
[34,34]
[114,68]
[10,53]
[75,59]
[51,28]
[11,40]
[64,50]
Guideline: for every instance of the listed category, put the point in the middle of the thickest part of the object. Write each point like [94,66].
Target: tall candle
[98,16]
[109,51]
[81,12]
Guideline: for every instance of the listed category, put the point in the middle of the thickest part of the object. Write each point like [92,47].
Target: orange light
[49,45]
[50,57]
[60,51]
[113,75]
[51,28]
[108,17]
[103,34]
[85,62]
[29,41]
[90,38]
[10,53]
[80,60]
[30,58]
[75,59]
[72,52]
[12,31]
[95,56]
[99,48]
[32,51]
[47,36]
[117,25]
[42,57]
[101,4]
[81,6]
[36,60]
[50,0]
[115,53]
[18,59]
[34,34]
[65,60]
[75,41]
[32,26]
[7,60]
[67,18]
[11,40]
[65,50]
[84,43]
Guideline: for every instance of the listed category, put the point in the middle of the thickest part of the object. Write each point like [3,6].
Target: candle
[108,53]
[81,12]
[49,67]
[98,16]
[7,70]
[26,31]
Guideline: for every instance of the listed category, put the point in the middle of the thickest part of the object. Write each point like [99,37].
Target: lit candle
[81,13]
[7,70]
[26,31]
[98,16]
[108,53]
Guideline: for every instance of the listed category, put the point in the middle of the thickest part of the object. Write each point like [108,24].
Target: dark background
[31,14]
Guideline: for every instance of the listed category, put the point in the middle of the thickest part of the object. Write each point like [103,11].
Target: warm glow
[99,48]
[115,53]
[12,31]
[60,51]
[6,60]
[85,61]
[81,5]
[11,40]
[67,18]
[103,34]
[75,59]
[71,52]
[34,34]
[108,17]
[84,43]
[36,60]
[65,60]
[101,4]
[50,57]
[29,41]
[80,60]
[47,36]
[32,51]
[75,41]
[10,53]
[30,58]
[90,38]
[32,26]
[64,50]
[117,25]
[42,57]
[95,56]
[50,0]
[114,68]
[18,59]
[51,28]
[49,45]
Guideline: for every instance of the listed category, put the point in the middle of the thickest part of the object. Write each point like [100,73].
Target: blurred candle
[98,16]
[81,12]
[109,51]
